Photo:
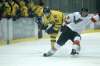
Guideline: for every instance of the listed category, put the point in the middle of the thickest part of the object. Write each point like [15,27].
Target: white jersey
[79,26]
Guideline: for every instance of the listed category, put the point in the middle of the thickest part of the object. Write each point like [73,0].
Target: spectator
[7,12]
[30,5]
[11,8]
[23,8]
[2,8]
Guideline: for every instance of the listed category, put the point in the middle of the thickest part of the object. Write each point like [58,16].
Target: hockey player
[38,11]
[23,9]
[75,23]
[53,20]
[10,8]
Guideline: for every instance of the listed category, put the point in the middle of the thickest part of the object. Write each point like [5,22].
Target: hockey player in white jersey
[75,23]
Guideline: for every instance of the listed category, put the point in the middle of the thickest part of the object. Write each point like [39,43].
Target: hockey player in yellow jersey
[38,11]
[52,21]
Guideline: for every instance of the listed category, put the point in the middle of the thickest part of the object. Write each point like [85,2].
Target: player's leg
[53,34]
[76,45]
[60,42]
[51,51]
[53,39]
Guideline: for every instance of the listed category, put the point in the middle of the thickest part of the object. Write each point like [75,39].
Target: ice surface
[30,53]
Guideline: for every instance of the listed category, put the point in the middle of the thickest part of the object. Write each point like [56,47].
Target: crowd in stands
[20,8]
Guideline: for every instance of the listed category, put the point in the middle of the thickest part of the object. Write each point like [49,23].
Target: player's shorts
[67,34]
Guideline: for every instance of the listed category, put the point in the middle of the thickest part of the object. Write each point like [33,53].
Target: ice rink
[30,53]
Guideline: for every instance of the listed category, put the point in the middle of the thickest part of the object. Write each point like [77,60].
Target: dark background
[73,5]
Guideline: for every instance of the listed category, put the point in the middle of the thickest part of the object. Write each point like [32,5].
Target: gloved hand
[51,30]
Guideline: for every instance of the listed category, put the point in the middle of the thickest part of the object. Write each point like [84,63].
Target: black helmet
[46,10]
[84,10]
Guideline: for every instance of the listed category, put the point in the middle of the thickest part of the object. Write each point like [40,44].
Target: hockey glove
[51,30]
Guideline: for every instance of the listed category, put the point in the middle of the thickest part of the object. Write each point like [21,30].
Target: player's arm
[95,18]
[51,27]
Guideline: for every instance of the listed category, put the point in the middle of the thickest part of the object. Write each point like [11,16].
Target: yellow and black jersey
[10,9]
[7,11]
[14,8]
[23,9]
[55,18]
[38,10]
[30,5]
